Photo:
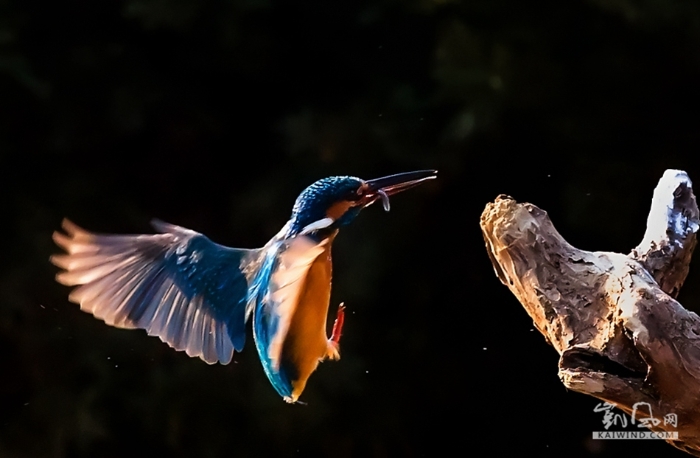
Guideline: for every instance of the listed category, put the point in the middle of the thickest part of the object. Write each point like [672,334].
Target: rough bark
[620,334]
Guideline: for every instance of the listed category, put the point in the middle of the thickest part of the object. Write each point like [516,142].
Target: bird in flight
[197,296]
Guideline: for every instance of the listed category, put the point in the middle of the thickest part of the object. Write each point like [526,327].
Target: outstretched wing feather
[177,285]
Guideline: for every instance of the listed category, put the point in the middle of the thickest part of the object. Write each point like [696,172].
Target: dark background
[215,114]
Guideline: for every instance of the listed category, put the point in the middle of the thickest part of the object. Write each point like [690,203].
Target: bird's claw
[333,351]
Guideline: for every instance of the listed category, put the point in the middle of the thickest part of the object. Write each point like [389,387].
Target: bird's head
[335,201]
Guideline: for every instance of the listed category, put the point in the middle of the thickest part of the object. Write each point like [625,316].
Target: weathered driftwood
[620,334]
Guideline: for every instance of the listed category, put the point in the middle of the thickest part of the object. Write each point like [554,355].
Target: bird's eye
[354,195]
[361,190]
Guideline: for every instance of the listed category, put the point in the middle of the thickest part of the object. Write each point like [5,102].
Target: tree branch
[621,335]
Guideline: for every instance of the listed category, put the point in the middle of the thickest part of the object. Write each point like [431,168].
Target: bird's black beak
[382,188]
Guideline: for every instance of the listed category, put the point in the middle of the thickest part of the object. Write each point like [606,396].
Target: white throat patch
[316,225]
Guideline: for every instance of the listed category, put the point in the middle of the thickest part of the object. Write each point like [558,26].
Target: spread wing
[277,290]
[177,285]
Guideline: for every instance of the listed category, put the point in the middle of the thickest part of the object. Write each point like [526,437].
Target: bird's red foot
[334,342]
[338,324]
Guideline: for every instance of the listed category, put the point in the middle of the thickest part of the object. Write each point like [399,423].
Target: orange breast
[306,341]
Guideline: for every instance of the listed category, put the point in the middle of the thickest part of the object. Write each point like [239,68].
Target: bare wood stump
[620,334]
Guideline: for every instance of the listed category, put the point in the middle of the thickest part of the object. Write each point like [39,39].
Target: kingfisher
[197,296]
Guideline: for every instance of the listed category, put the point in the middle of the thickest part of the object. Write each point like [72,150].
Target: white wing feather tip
[75,231]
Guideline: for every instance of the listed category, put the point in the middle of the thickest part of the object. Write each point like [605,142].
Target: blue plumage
[178,285]
[314,201]
[266,324]
[197,295]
